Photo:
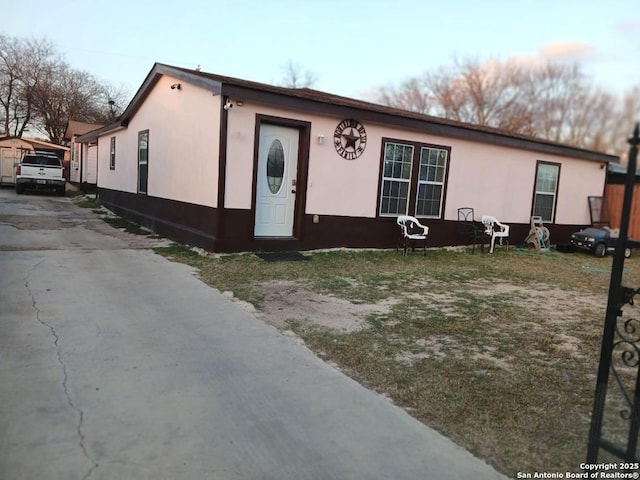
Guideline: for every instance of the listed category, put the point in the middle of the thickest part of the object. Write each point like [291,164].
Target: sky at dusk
[352,47]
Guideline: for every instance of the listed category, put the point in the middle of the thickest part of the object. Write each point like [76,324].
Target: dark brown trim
[304,146]
[380,175]
[250,233]
[187,223]
[304,139]
[307,100]
[415,171]
[193,224]
[326,104]
[535,184]
[222,169]
[445,187]
[362,232]
[87,187]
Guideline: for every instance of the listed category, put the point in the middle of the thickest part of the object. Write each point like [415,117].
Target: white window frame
[406,181]
[432,182]
[537,192]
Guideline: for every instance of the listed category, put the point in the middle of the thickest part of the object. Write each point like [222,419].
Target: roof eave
[159,69]
[94,134]
[336,105]
[410,120]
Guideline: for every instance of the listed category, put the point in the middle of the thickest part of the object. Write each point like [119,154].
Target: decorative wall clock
[350,139]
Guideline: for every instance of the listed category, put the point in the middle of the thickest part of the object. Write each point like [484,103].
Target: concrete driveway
[118,364]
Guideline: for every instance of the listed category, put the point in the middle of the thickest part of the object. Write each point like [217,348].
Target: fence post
[613,309]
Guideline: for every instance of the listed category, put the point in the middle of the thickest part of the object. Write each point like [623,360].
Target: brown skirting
[84,186]
[195,225]
[183,222]
[358,232]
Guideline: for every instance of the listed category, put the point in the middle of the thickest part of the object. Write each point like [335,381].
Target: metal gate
[616,411]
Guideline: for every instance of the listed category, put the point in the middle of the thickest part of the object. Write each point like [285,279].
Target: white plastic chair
[495,229]
[412,231]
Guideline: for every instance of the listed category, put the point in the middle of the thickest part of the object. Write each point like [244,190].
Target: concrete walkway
[118,364]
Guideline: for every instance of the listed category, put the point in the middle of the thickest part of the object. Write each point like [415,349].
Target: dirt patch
[288,301]
[551,308]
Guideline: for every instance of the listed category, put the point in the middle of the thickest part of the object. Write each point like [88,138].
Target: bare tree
[39,89]
[23,65]
[471,92]
[113,100]
[295,76]
[628,114]
[71,94]
[554,101]
[551,92]
[412,94]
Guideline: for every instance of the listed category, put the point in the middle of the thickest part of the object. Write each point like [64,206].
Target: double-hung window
[396,178]
[546,191]
[433,165]
[143,160]
[112,154]
[413,179]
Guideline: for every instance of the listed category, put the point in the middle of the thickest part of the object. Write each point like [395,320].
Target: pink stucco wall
[184,129]
[331,178]
[493,179]
[184,132]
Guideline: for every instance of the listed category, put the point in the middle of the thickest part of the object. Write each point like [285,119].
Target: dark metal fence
[620,349]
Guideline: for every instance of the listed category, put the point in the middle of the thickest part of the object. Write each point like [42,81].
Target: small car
[599,241]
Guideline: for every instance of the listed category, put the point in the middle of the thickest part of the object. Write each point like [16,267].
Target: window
[275,166]
[112,154]
[546,190]
[143,160]
[433,164]
[417,190]
[396,178]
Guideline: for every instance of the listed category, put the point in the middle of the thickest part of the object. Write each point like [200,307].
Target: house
[13,148]
[233,165]
[83,167]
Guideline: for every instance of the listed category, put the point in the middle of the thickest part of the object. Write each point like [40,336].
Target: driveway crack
[65,376]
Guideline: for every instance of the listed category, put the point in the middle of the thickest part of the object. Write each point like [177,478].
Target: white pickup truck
[40,171]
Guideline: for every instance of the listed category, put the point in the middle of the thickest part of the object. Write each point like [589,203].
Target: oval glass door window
[275,166]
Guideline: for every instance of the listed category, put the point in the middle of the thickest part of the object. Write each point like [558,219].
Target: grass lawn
[498,352]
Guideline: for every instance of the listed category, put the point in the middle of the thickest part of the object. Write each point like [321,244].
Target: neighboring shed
[83,169]
[233,165]
[13,148]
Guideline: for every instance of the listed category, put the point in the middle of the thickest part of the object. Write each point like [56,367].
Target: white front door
[276,181]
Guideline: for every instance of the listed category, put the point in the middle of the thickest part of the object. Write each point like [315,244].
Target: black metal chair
[470,229]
